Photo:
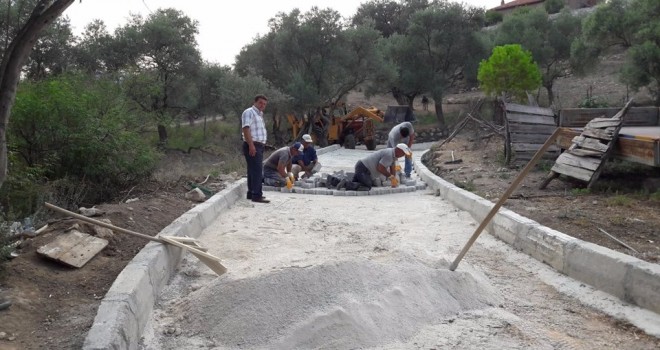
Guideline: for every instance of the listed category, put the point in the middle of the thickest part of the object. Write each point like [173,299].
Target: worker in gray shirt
[277,167]
[402,133]
[380,162]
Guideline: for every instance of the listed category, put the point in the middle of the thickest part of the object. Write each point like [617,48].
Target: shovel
[189,244]
[453,160]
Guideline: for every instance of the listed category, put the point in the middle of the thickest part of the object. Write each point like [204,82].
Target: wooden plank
[629,149]
[637,116]
[580,162]
[574,172]
[590,144]
[73,248]
[600,124]
[533,147]
[522,109]
[585,153]
[598,134]
[529,119]
[532,128]
[528,138]
[621,115]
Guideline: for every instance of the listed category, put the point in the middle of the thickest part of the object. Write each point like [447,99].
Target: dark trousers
[254,170]
[362,175]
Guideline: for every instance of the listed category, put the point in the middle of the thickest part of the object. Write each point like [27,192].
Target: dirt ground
[619,203]
[54,306]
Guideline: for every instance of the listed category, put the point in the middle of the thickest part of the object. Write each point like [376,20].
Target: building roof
[516,3]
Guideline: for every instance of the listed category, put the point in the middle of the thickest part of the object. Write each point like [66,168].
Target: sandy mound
[343,305]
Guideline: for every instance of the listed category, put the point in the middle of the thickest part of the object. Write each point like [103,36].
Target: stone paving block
[268,188]
[362,193]
[351,193]
[286,190]
[339,193]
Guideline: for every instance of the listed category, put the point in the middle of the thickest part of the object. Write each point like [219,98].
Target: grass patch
[467,185]
[580,191]
[617,220]
[619,201]
[655,197]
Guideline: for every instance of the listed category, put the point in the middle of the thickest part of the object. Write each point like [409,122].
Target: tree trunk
[277,133]
[444,132]
[401,98]
[551,94]
[162,134]
[44,13]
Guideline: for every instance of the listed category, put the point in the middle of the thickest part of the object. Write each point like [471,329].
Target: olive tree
[14,56]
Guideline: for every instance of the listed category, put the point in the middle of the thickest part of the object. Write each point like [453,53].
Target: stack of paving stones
[317,185]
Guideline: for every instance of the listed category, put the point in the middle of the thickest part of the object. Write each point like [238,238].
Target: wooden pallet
[527,128]
[588,152]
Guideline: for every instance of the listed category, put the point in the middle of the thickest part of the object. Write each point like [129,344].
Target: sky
[224,26]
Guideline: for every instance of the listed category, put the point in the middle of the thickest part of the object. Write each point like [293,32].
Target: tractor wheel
[349,141]
[371,144]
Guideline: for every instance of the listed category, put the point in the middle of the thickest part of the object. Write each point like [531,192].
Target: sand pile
[342,305]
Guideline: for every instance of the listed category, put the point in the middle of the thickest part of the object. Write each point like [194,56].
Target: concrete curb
[626,277]
[126,308]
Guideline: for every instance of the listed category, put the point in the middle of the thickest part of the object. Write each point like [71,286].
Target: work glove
[394,181]
[291,177]
[289,182]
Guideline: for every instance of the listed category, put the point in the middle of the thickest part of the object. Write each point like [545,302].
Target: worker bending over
[381,162]
[277,167]
[402,133]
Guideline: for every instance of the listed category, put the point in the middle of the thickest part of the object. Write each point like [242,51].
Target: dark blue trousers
[254,170]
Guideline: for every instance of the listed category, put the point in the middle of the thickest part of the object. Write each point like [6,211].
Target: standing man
[277,167]
[403,133]
[425,102]
[308,161]
[380,162]
[254,141]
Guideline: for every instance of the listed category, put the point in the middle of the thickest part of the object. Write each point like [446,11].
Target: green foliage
[590,101]
[549,41]
[493,17]
[631,24]
[580,191]
[74,127]
[509,71]
[553,6]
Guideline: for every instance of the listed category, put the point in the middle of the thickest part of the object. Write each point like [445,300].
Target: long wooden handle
[504,197]
[101,223]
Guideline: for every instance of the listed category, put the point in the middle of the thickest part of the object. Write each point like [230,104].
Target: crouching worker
[277,167]
[307,163]
[381,162]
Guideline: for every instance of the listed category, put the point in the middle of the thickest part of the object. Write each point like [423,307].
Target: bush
[493,17]
[553,6]
[81,129]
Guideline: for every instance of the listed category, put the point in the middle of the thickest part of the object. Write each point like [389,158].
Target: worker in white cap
[308,161]
[381,162]
[403,133]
